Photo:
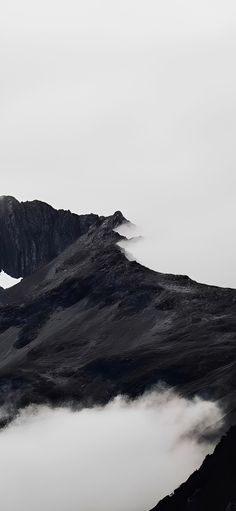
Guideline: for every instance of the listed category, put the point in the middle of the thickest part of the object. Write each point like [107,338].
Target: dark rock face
[91,324]
[213,486]
[33,233]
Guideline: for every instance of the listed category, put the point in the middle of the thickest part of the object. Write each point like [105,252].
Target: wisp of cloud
[121,457]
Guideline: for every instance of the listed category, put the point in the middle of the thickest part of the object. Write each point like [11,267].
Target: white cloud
[124,456]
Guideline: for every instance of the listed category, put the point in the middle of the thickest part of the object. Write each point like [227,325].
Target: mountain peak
[7,200]
[119,217]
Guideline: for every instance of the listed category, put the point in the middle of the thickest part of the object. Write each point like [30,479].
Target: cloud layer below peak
[125,456]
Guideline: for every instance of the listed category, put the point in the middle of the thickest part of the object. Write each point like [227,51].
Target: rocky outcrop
[33,233]
[213,486]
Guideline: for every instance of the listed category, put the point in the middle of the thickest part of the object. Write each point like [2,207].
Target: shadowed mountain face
[213,486]
[88,324]
[33,233]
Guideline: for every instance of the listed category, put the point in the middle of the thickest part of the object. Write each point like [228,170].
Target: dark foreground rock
[213,486]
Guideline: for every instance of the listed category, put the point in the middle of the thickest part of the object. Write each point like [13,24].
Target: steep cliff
[33,233]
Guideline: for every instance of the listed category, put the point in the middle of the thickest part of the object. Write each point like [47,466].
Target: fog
[124,457]
[127,105]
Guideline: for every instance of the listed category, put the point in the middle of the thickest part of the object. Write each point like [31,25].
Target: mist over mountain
[87,324]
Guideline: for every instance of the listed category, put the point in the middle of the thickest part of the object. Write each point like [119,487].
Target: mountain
[213,486]
[91,324]
[86,324]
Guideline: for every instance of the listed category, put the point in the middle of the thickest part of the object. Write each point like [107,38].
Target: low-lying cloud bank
[122,457]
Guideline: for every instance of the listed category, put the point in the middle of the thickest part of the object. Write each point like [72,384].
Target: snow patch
[7,281]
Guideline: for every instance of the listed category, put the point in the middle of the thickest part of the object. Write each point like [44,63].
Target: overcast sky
[127,105]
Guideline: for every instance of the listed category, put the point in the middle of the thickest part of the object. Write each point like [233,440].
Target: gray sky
[127,105]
